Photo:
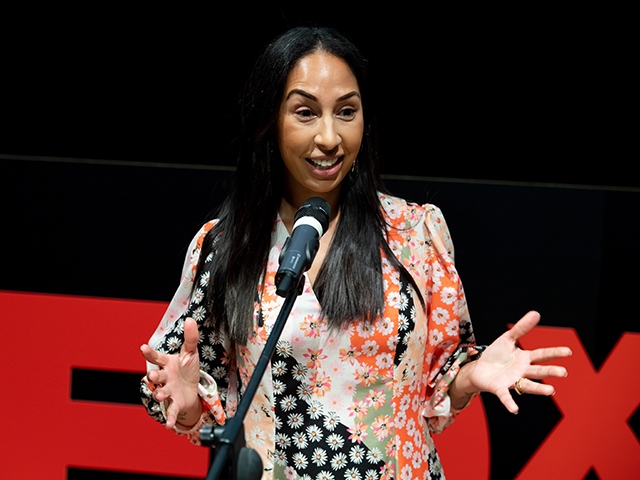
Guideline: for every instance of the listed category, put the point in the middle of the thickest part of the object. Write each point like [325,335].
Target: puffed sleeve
[214,350]
[450,337]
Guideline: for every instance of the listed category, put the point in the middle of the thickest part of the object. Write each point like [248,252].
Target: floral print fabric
[360,403]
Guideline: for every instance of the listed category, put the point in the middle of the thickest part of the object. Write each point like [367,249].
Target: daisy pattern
[282,440]
[435,337]
[384,360]
[385,326]
[314,410]
[374,455]
[174,343]
[300,440]
[452,328]
[335,441]
[284,349]
[331,421]
[394,298]
[278,368]
[288,403]
[319,457]
[300,461]
[352,474]
[258,437]
[371,475]
[345,403]
[448,295]
[208,352]
[357,454]
[370,348]
[339,461]
[198,295]
[299,372]
[295,420]
[325,475]
[314,433]
[199,314]
[204,279]
[279,387]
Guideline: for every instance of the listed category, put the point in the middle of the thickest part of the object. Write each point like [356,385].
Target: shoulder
[402,214]
[416,223]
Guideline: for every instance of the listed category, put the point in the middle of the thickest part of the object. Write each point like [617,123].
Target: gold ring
[518,388]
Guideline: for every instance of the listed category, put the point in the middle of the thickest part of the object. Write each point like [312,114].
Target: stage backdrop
[92,254]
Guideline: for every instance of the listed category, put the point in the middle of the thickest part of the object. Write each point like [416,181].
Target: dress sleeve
[450,335]
[213,348]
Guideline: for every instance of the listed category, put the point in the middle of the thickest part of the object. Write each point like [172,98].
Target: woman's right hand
[176,378]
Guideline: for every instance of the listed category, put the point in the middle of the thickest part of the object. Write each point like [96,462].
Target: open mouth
[324,164]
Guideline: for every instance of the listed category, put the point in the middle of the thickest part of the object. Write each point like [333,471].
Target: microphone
[299,250]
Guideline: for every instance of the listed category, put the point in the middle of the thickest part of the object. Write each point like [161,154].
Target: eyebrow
[313,97]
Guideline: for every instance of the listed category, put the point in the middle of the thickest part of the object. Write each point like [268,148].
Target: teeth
[324,163]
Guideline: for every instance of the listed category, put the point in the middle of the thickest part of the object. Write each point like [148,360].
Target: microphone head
[317,208]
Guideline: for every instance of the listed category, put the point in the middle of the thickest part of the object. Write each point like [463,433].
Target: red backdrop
[45,431]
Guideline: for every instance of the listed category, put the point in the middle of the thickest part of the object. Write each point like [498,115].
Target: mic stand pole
[232,457]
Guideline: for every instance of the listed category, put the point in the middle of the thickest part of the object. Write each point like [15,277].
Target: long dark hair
[349,283]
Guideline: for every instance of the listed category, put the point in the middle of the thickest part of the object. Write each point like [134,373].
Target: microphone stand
[232,458]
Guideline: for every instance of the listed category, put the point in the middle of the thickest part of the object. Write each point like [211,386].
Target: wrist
[461,389]
[188,417]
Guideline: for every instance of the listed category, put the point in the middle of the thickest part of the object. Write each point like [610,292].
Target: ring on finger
[518,386]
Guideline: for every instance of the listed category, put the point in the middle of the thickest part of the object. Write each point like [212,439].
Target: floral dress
[360,403]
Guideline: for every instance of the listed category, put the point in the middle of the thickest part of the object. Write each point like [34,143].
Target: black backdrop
[529,106]
[524,93]
[120,230]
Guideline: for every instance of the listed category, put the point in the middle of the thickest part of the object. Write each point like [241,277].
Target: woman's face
[320,125]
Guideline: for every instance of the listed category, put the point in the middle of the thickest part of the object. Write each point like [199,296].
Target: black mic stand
[233,458]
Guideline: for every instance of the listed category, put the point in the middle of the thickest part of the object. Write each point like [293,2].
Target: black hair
[349,283]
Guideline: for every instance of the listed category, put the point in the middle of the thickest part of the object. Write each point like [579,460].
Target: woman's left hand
[503,366]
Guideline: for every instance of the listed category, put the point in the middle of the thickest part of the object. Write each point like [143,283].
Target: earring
[353,167]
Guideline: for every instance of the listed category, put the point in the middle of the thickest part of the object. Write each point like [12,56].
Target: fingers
[541,355]
[153,356]
[191,336]
[526,385]
[507,400]
[171,412]
[539,372]
[524,325]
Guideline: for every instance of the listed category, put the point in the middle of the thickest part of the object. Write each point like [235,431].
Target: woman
[378,351]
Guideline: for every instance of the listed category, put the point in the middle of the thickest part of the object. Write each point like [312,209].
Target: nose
[327,136]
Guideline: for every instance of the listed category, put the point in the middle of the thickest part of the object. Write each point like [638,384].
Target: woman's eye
[348,112]
[304,113]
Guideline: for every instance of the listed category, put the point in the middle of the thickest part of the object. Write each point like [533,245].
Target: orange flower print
[376,398]
[358,432]
[359,408]
[382,426]
[320,384]
[313,357]
[349,355]
[365,376]
[312,326]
